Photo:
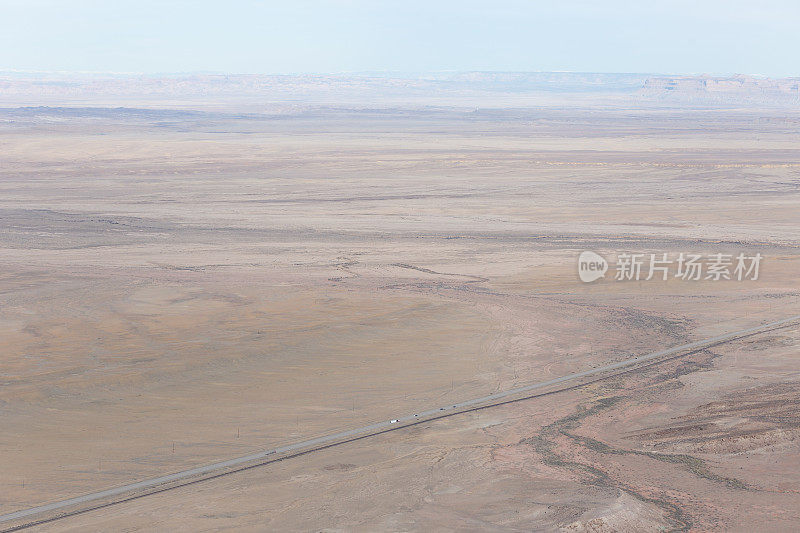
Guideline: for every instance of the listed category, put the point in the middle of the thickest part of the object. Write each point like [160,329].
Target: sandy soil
[181,288]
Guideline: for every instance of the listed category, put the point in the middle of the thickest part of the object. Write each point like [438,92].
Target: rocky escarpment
[729,89]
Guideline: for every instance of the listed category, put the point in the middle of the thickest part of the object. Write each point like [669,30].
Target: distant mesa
[740,87]
[131,90]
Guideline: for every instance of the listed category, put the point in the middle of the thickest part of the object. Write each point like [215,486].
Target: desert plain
[184,282]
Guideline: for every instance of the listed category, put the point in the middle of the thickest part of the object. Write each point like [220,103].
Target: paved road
[193,474]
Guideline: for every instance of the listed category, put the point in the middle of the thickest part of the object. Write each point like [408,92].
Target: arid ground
[182,284]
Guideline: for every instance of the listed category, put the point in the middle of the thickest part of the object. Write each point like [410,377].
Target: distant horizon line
[374,73]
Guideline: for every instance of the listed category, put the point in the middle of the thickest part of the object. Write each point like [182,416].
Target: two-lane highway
[59,509]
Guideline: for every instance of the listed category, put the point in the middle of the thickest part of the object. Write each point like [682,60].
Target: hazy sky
[295,36]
